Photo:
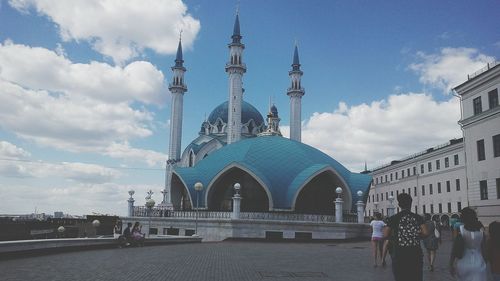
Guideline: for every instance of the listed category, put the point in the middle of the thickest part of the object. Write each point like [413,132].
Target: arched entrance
[318,195]
[254,196]
[179,195]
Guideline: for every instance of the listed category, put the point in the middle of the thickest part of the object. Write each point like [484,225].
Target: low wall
[221,229]
[13,248]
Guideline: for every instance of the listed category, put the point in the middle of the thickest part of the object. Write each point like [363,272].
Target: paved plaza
[229,260]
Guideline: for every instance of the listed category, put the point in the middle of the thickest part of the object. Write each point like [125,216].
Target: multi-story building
[463,172]
[480,124]
[435,178]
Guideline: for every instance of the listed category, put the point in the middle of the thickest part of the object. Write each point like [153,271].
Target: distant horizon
[85,106]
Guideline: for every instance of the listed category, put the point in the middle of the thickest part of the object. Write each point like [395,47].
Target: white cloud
[124,151]
[383,130]
[119,29]
[10,150]
[450,67]
[47,99]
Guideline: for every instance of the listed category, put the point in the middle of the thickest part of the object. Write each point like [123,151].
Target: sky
[85,106]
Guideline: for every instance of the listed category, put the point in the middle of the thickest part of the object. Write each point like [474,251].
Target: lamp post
[375,204]
[96,224]
[61,230]
[198,187]
[236,201]
[150,203]
[361,207]
[338,205]
[131,203]
[391,208]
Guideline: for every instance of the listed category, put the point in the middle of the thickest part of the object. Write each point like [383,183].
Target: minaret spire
[295,92]
[235,68]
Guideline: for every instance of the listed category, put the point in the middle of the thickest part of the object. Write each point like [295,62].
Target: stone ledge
[11,249]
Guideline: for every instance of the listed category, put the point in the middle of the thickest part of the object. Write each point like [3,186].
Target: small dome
[274,110]
[248,112]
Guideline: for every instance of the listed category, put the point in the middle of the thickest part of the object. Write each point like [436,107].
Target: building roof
[248,112]
[282,165]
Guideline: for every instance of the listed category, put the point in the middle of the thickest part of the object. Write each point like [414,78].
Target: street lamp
[338,205]
[61,230]
[198,187]
[150,203]
[96,224]
[375,204]
[390,210]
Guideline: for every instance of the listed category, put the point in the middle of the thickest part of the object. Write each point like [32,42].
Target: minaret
[295,92]
[177,88]
[273,123]
[235,68]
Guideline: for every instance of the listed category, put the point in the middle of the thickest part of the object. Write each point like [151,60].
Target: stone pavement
[229,260]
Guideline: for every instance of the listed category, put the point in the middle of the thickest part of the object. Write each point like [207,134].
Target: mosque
[236,145]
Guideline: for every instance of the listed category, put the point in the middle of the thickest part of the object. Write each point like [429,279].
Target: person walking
[431,242]
[471,266]
[377,226]
[494,249]
[406,229]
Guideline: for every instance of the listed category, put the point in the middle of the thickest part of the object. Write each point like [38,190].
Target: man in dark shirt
[125,239]
[406,230]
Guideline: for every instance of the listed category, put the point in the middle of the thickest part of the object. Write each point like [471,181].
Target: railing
[141,211]
[487,67]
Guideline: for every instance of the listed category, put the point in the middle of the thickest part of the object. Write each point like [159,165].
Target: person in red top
[494,249]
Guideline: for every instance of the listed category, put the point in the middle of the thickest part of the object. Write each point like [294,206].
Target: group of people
[131,235]
[402,236]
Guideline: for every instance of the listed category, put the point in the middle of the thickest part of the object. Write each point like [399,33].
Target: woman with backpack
[431,242]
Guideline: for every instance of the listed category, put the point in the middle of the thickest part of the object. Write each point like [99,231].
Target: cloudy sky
[84,104]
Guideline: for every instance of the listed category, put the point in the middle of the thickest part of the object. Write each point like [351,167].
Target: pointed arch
[179,191]
[219,184]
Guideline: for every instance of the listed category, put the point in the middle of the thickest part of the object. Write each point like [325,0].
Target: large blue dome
[248,112]
[282,166]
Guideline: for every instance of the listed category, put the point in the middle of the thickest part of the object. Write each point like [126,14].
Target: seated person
[126,238]
[137,236]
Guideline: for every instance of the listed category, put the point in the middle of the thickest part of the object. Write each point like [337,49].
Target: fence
[140,211]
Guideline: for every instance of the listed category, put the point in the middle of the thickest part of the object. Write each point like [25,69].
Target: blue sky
[84,104]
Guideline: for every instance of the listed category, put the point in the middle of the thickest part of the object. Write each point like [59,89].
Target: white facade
[481,127]
[435,178]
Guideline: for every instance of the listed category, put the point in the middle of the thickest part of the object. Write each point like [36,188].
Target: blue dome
[282,165]
[248,112]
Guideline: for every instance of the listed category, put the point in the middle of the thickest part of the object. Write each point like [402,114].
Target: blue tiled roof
[248,112]
[281,164]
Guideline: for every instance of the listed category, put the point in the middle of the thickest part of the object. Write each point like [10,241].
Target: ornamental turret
[273,123]
[295,92]
[235,68]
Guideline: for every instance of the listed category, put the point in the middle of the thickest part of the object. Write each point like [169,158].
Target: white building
[480,123]
[435,178]
[463,172]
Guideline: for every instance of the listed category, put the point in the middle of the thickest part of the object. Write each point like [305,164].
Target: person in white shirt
[377,226]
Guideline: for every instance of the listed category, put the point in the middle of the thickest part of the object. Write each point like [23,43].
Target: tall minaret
[177,88]
[235,68]
[295,92]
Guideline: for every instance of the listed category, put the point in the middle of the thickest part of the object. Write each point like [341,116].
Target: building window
[498,188]
[409,190]
[432,209]
[377,197]
[430,189]
[459,206]
[408,172]
[421,168]
[493,98]
[373,198]
[478,108]
[396,175]
[449,207]
[385,178]
[483,189]
[416,210]
[376,180]
[423,208]
[414,170]
[368,199]
[415,191]
[387,195]
[402,173]
[429,167]
[446,162]
[391,176]
[455,159]
[448,189]
[496,145]
[381,197]
[440,207]
[423,190]
[397,193]
[438,164]
[439,187]
[480,150]
[457,183]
